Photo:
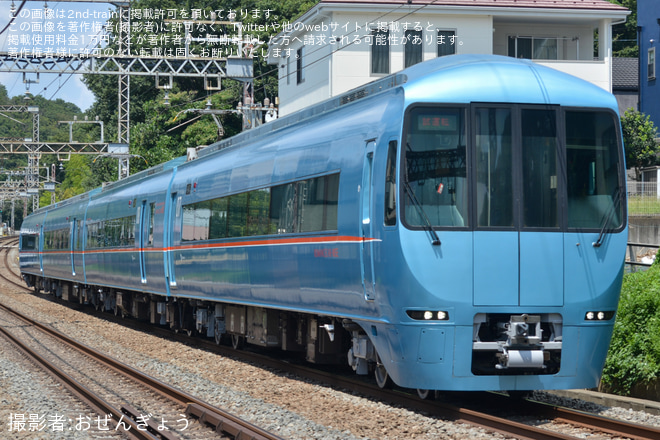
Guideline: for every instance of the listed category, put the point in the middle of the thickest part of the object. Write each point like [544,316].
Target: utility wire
[353,42]
[13,17]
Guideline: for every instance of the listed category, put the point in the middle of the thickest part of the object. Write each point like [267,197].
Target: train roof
[496,78]
[451,79]
[455,79]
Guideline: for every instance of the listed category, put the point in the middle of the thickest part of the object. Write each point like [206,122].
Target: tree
[639,140]
[624,35]
[161,132]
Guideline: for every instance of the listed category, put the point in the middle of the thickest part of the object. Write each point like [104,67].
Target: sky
[36,28]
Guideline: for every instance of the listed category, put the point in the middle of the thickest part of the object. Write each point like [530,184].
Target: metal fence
[640,256]
[643,198]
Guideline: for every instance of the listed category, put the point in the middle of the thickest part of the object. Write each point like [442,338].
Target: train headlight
[428,315]
[598,316]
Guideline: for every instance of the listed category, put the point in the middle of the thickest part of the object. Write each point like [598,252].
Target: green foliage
[639,135]
[634,355]
[624,35]
[160,132]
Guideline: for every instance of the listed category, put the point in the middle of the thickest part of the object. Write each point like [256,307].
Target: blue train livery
[460,225]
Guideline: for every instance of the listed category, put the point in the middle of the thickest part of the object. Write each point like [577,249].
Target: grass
[638,205]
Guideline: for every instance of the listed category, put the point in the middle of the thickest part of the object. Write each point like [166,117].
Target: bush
[634,356]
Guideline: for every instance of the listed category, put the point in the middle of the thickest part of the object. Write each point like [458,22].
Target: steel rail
[605,424]
[477,418]
[6,247]
[455,413]
[99,405]
[244,428]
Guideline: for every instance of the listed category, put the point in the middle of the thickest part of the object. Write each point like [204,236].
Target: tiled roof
[601,5]
[625,73]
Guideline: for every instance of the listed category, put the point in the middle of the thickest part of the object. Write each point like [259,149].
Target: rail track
[10,272]
[466,410]
[124,395]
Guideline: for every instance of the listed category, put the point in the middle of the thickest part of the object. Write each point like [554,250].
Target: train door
[496,257]
[40,245]
[518,243]
[366,254]
[173,215]
[76,242]
[142,224]
[541,237]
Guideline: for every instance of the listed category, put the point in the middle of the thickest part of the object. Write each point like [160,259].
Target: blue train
[460,225]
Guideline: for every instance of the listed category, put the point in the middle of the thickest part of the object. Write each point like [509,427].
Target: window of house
[413,47]
[288,70]
[446,42]
[533,48]
[651,64]
[380,52]
[300,73]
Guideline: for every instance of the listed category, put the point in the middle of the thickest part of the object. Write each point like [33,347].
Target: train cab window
[494,167]
[435,168]
[592,164]
[29,242]
[539,155]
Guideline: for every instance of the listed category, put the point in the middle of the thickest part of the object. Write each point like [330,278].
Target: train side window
[282,208]
[196,221]
[57,239]
[317,204]
[218,227]
[188,221]
[303,206]
[390,185]
[258,219]
[237,215]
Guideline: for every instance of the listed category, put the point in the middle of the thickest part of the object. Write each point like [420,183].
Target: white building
[341,44]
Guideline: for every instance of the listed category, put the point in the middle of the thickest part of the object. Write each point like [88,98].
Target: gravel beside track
[287,406]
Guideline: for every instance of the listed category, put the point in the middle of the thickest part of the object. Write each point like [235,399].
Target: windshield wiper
[435,240]
[608,217]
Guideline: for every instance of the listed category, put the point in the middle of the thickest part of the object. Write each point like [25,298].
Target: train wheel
[380,373]
[426,394]
[237,341]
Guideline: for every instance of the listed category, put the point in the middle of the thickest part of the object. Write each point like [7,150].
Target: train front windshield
[455,177]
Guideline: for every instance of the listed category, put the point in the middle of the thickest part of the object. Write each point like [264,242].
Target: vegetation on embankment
[633,362]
